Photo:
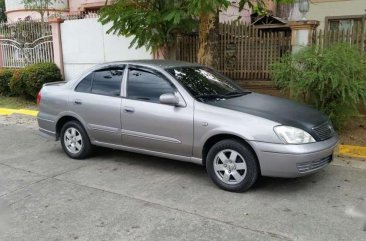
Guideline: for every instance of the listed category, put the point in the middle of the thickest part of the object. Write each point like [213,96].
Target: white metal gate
[17,55]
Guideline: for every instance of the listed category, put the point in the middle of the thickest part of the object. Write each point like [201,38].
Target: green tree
[152,23]
[2,11]
[40,6]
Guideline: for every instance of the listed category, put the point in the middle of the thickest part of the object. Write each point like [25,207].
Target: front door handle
[128,109]
[78,102]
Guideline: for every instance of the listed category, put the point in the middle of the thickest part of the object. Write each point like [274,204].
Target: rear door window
[107,82]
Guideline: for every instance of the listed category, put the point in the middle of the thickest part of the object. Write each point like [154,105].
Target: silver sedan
[186,112]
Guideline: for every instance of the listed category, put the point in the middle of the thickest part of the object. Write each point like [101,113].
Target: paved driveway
[122,196]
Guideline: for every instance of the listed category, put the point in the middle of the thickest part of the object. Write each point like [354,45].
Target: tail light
[39,97]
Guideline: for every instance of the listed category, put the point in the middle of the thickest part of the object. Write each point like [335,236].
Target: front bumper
[280,160]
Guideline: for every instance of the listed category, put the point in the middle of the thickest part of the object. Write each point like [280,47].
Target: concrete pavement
[123,196]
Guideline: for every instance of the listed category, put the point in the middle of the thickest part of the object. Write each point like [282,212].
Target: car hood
[277,109]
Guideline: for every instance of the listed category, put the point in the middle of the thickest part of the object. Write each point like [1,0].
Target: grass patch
[16,103]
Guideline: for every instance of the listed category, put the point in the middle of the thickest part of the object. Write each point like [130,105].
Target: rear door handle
[78,102]
[128,109]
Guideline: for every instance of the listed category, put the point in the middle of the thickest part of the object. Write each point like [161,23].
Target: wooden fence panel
[245,52]
[355,37]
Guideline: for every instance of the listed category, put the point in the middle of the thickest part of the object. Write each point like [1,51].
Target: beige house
[338,14]
[332,14]
[15,9]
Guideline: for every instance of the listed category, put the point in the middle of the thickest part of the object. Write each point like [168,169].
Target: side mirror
[169,99]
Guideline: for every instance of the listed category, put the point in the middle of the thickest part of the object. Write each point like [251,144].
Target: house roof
[268,19]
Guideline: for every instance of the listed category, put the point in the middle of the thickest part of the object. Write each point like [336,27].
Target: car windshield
[206,84]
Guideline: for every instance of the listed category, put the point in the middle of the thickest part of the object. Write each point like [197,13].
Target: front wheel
[232,166]
[75,141]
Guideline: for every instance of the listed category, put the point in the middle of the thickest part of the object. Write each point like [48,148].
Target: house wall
[232,13]
[85,44]
[15,9]
[319,9]
[79,5]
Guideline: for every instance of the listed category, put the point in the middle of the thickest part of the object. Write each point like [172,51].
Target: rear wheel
[232,166]
[75,141]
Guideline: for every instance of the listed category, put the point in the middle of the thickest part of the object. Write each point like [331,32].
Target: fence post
[301,33]
[57,42]
[178,42]
[1,52]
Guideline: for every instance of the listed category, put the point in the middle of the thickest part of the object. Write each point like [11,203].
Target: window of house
[345,24]
[147,85]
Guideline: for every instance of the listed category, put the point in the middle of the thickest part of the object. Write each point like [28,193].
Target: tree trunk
[208,53]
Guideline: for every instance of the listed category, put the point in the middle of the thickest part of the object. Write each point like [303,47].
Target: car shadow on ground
[278,185]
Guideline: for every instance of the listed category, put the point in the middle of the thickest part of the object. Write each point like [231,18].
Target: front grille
[313,165]
[324,131]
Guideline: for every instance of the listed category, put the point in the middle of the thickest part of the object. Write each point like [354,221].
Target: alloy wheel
[73,140]
[230,167]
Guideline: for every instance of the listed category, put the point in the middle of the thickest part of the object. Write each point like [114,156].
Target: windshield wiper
[226,96]
[236,93]
[210,96]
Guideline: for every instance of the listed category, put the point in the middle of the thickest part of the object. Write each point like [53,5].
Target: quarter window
[107,82]
[85,84]
[147,85]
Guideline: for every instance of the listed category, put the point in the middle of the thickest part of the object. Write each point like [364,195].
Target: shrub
[16,83]
[5,76]
[332,80]
[28,81]
[36,75]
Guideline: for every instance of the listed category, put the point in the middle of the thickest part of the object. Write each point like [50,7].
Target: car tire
[232,166]
[75,141]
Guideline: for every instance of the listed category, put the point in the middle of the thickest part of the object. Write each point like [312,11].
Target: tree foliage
[333,80]
[152,23]
[2,11]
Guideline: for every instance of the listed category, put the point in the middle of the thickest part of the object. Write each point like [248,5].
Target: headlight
[292,135]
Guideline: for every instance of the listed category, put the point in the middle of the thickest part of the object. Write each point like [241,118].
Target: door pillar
[302,33]
[57,42]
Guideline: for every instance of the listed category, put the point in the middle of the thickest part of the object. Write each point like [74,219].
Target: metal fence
[82,15]
[76,16]
[18,55]
[25,30]
[24,43]
[245,52]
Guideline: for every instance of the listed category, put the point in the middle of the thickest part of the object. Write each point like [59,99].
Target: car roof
[157,63]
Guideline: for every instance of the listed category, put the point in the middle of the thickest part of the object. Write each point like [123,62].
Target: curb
[343,150]
[6,111]
[352,151]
